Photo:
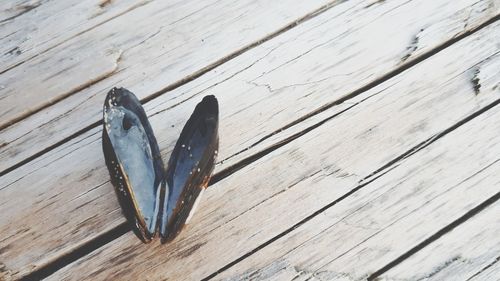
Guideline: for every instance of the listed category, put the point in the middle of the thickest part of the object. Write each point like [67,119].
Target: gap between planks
[462,121]
[408,153]
[416,149]
[26,155]
[445,230]
[177,83]
[369,179]
[342,100]
[164,90]
[71,36]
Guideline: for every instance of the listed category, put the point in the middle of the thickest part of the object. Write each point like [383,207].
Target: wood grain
[490,272]
[32,27]
[73,176]
[464,253]
[279,190]
[389,216]
[354,60]
[86,59]
[170,42]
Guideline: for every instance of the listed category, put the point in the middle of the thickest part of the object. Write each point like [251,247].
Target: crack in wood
[96,248]
[271,90]
[59,157]
[213,85]
[471,213]
[484,269]
[370,178]
[305,18]
[121,229]
[106,74]
[263,200]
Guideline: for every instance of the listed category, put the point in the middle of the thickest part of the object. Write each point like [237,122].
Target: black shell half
[190,167]
[133,160]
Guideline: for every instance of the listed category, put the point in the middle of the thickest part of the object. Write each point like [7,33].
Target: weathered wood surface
[464,253]
[77,195]
[269,196]
[284,80]
[180,39]
[414,35]
[388,217]
[29,28]
[488,273]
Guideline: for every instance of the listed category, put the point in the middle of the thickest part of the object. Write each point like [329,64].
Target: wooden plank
[30,28]
[353,62]
[340,234]
[171,41]
[253,14]
[279,190]
[12,9]
[488,273]
[58,182]
[459,255]
[95,55]
[359,235]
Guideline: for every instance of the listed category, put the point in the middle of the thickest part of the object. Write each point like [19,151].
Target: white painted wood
[354,59]
[260,201]
[170,41]
[459,255]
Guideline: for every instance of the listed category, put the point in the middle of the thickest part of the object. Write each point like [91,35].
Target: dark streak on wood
[436,236]
[374,3]
[104,3]
[16,50]
[412,47]
[24,9]
[484,268]
[126,255]
[443,266]
[5,248]
[190,250]
[476,82]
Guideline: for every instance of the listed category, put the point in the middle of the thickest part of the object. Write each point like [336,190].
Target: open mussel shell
[190,167]
[133,160]
[152,199]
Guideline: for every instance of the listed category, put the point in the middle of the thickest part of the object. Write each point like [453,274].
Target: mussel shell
[133,159]
[190,167]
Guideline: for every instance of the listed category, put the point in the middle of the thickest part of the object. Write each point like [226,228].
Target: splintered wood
[358,139]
